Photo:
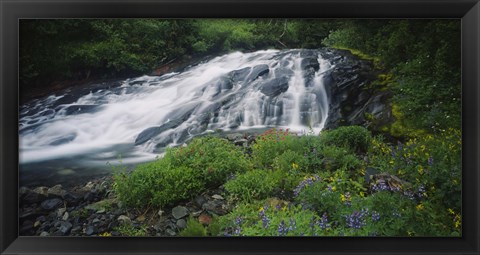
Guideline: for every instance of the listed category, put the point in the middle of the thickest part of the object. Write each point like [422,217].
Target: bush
[271,144]
[253,185]
[215,158]
[194,228]
[157,184]
[354,138]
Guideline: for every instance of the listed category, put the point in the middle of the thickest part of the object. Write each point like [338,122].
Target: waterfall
[237,91]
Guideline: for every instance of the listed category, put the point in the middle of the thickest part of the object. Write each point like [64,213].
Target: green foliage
[194,228]
[158,183]
[271,144]
[182,173]
[253,185]
[215,158]
[264,219]
[129,230]
[353,138]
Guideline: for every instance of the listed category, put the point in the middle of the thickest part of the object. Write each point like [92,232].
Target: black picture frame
[12,10]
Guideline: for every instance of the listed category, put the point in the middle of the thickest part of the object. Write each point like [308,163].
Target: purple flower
[305,183]
[375,216]
[265,219]
[238,221]
[323,222]
[282,229]
[421,191]
[430,160]
[357,219]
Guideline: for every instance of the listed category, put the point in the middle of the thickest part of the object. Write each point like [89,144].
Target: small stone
[65,216]
[200,200]
[102,210]
[170,232]
[124,219]
[179,212]
[197,213]
[181,224]
[56,191]
[51,204]
[65,227]
[217,197]
[44,233]
[90,230]
[37,224]
[61,211]
[89,186]
[95,221]
[205,219]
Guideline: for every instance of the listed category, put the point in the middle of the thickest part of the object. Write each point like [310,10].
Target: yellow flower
[362,194]
[294,166]
[420,206]
[106,234]
[334,188]
[451,211]
[261,209]
[420,169]
[343,197]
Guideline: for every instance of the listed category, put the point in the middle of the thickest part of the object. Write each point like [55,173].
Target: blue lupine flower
[238,220]
[305,183]
[357,219]
[293,225]
[375,216]
[430,160]
[323,223]
[282,229]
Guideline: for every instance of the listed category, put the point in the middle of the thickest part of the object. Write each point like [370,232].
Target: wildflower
[263,216]
[282,229]
[421,191]
[357,219]
[293,225]
[238,220]
[409,194]
[323,223]
[346,198]
[237,231]
[375,216]
[430,161]
[420,207]
[307,181]
[396,214]
[294,166]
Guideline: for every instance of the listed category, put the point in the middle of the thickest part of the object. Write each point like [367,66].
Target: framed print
[290,127]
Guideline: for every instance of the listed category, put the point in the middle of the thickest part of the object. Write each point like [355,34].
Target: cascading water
[237,91]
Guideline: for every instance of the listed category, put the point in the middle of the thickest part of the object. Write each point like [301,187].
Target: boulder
[275,86]
[51,204]
[256,72]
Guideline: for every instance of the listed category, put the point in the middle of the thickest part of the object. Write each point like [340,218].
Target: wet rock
[80,109]
[44,233]
[36,195]
[65,217]
[51,204]
[275,87]
[310,62]
[256,72]
[179,212]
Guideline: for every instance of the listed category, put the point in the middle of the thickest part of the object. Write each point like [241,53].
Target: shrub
[157,183]
[130,230]
[194,228]
[215,158]
[354,138]
[253,185]
[271,144]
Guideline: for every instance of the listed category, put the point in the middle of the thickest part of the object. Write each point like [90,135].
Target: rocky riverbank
[92,209]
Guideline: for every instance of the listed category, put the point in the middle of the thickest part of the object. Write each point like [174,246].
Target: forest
[401,178]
